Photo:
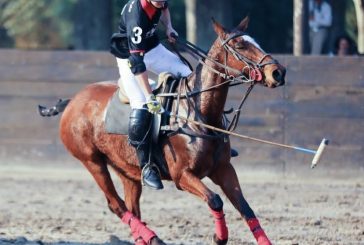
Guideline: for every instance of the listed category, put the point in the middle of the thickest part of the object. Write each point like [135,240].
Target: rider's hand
[172,35]
[153,105]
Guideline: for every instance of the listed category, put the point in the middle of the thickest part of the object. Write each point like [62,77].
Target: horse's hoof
[216,241]
[156,241]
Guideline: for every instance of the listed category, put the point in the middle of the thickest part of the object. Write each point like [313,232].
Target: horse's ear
[219,29]
[243,24]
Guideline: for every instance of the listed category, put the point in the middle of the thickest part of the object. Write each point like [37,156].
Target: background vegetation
[88,24]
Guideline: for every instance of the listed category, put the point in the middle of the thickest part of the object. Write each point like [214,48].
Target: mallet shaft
[317,153]
[304,150]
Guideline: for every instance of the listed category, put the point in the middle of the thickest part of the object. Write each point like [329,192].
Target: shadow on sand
[23,241]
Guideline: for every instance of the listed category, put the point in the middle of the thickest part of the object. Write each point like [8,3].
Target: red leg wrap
[221,229]
[138,228]
[258,232]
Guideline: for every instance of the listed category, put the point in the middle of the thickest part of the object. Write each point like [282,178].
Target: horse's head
[245,57]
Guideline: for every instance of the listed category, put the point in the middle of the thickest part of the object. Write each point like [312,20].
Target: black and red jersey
[138,24]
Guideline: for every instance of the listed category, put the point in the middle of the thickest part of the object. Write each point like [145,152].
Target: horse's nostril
[278,75]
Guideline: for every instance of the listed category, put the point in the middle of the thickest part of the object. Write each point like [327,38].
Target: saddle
[167,83]
[116,112]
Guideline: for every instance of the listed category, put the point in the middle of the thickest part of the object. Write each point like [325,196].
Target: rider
[137,48]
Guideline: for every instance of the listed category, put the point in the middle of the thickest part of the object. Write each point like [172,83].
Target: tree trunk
[92,29]
[300,18]
[199,14]
[359,9]
[191,20]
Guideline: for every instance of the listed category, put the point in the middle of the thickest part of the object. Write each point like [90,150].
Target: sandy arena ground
[55,205]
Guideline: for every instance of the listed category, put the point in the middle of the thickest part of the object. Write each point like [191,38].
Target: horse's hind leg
[189,182]
[99,171]
[226,178]
[141,233]
[132,193]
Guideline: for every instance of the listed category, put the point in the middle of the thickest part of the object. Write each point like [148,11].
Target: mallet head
[319,152]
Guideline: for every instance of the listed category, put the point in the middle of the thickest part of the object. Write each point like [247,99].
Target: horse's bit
[254,73]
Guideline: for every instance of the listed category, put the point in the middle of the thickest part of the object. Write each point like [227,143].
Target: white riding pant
[318,39]
[157,60]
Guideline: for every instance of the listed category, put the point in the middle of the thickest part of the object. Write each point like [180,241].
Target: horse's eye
[240,46]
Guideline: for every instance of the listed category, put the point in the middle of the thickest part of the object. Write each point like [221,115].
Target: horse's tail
[55,110]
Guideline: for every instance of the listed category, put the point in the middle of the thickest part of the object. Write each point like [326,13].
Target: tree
[82,24]
[300,26]
[359,8]
[92,28]
[199,14]
[31,23]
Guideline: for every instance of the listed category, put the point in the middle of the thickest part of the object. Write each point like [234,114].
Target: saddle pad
[117,116]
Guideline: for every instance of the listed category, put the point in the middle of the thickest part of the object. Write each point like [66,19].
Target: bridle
[240,57]
[252,68]
[254,71]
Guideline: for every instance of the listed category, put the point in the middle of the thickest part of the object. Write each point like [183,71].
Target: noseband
[254,68]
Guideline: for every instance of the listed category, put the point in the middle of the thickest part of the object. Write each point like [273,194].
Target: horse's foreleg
[226,178]
[189,182]
[141,233]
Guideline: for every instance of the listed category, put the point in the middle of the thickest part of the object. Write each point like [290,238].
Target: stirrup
[157,184]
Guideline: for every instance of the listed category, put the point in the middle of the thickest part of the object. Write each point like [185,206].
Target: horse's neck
[210,103]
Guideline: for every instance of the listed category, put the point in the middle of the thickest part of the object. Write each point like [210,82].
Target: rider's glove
[172,35]
[153,105]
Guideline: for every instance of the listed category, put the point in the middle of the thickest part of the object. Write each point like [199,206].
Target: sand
[48,204]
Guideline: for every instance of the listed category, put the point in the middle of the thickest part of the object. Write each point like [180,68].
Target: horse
[189,158]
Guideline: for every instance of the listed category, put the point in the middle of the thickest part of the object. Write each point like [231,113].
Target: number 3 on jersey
[137,35]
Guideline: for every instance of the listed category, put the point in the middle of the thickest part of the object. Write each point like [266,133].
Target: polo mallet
[317,154]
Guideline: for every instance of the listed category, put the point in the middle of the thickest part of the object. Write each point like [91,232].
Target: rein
[230,79]
[254,76]
[254,68]
[240,57]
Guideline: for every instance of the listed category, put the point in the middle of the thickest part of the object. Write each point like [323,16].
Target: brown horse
[233,56]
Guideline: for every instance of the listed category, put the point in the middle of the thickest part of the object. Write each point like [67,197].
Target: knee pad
[139,132]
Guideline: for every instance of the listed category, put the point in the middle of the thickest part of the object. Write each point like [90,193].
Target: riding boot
[140,132]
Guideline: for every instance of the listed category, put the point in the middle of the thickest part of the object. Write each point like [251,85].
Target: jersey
[138,24]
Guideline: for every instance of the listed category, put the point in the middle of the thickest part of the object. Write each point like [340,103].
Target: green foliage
[61,13]
[16,18]
[62,23]
[117,7]
[350,19]
[271,22]
[177,9]
[37,23]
